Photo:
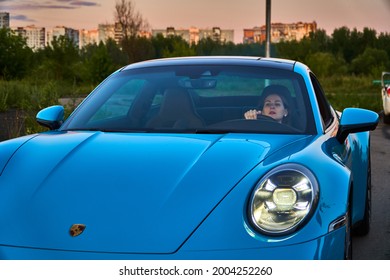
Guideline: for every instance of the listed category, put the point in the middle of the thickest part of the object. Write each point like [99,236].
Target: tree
[207,46]
[383,42]
[138,49]
[15,55]
[350,44]
[100,60]
[371,62]
[132,24]
[171,46]
[119,58]
[253,49]
[291,50]
[369,38]
[130,21]
[319,41]
[97,64]
[341,45]
[325,64]
[58,60]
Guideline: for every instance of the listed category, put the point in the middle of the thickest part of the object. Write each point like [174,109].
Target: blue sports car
[191,158]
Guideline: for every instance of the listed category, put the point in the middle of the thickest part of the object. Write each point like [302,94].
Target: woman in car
[274,103]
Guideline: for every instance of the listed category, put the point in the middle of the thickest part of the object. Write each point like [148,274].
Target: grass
[32,96]
[351,91]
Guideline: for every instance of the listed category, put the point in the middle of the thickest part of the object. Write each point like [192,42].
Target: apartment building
[280,32]
[35,36]
[105,32]
[193,35]
[87,37]
[189,35]
[217,34]
[110,31]
[4,20]
[115,32]
[58,31]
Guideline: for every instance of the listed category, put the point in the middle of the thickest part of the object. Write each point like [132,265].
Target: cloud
[21,18]
[79,3]
[83,3]
[49,5]
[33,6]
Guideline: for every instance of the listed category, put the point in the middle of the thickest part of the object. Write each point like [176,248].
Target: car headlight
[283,199]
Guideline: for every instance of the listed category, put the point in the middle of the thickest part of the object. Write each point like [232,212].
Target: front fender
[229,220]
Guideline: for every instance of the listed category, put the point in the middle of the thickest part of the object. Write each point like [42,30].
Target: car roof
[216,60]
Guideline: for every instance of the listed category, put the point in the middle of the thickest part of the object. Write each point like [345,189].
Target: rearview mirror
[198,83]
[51,117]
[356,120]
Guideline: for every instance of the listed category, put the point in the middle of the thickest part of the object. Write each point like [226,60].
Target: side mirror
[51,117]
[356,120]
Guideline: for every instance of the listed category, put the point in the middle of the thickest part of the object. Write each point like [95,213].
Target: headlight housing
[283,200]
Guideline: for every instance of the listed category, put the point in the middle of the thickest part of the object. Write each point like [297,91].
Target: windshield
[198,99]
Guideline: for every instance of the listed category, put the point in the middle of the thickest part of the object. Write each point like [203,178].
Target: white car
[385,81]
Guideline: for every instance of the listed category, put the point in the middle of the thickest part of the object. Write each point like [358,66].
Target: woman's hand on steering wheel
[252,114]
[256,115]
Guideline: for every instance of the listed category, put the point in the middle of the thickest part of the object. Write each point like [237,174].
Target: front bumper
[327,247]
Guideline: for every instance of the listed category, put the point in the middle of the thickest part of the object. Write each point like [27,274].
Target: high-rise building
[105,32]
[4,20]
[35,36]
[280,32]
[217,34]
[87,37]
[115,32]
[183,33]
[58,31]
[252,35]
[193,34]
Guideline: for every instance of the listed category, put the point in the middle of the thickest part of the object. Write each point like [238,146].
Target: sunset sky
[226,14]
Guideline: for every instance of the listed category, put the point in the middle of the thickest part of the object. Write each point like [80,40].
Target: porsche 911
[191,158]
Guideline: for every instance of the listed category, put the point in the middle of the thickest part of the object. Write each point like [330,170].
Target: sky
[226,14]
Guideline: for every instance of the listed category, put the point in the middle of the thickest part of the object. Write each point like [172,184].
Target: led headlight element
[283,199]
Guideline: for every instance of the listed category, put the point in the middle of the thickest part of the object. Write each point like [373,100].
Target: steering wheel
[265,118]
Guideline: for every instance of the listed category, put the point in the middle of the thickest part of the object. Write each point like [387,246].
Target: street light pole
[268,28]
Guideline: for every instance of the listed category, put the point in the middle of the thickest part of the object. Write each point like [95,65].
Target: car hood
[135,193]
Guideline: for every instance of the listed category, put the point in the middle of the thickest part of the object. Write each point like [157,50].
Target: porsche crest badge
[76,229]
